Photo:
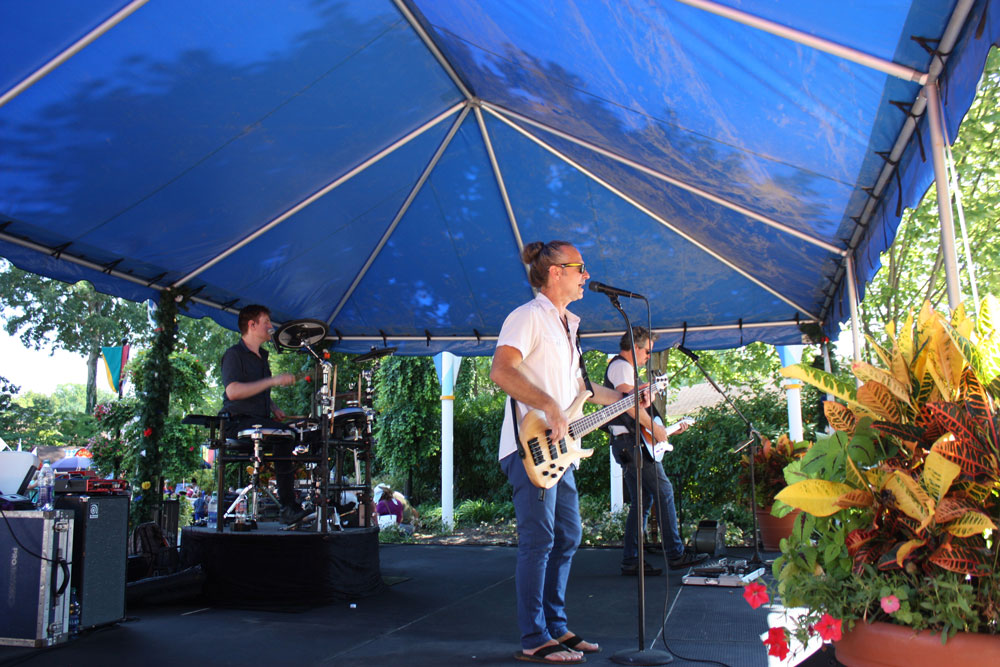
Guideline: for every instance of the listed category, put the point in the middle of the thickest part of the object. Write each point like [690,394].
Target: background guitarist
[537,362]
[654,481]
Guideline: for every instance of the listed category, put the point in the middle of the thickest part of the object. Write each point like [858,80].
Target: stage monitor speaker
[99,555]
[710,538]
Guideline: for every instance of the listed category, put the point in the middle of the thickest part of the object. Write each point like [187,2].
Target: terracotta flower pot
[888,645]
[772,529]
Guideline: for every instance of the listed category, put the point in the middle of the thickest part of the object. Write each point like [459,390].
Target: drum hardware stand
[323,401]
[249,517]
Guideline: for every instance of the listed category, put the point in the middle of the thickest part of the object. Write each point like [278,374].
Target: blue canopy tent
[377,164]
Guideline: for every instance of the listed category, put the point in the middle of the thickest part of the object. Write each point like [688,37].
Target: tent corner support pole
[852,298]
[936,119]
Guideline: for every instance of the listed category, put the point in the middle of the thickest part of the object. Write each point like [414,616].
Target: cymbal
[293,335]
[375,353]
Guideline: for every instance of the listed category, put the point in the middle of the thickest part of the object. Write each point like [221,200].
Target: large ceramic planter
[887,645]
[773,529]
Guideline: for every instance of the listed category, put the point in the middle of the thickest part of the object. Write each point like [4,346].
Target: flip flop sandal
[575,641]
[540,656]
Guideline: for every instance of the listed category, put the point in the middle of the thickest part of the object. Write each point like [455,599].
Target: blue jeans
[548,534]
[654,483]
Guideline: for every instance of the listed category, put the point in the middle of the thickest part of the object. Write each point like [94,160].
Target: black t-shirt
[239,364]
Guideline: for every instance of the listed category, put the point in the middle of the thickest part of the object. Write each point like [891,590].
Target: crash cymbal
[293,335]
[375,353]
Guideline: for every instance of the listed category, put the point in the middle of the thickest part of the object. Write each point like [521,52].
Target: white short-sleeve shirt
[550,359]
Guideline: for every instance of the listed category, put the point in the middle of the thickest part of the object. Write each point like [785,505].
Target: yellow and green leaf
[823,381]
[839,416]
[938,474]
[816,496]
[910,498]
[969,524]
[866,373]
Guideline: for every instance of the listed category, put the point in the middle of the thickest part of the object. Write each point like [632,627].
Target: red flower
[776,643]
[829,628]
[755,594]
[148,432]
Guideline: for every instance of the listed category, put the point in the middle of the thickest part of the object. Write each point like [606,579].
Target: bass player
[537,363]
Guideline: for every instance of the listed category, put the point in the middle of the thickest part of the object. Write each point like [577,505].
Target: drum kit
[334,445]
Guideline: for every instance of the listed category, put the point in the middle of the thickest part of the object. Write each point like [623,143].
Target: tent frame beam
[951,34]
[647,211]
[433,48]
[804,38]
[498,175]
[71,51]
[593,334]
[829,247]
[414,191]
[399,143]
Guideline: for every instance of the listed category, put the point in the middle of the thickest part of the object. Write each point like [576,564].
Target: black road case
[36,548]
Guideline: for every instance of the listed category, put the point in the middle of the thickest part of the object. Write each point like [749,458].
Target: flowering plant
[900,505]
[770,460]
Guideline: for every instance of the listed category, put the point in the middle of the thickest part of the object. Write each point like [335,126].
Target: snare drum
[350,425]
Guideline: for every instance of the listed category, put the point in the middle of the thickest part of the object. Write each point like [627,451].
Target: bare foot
[566,655]
[584,646]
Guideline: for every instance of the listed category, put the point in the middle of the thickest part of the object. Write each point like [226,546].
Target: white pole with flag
[447,365]
[792,354]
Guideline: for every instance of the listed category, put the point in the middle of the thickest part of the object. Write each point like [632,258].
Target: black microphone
[613,291]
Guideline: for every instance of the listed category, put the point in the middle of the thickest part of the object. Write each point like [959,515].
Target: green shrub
[475,512]
[703,468]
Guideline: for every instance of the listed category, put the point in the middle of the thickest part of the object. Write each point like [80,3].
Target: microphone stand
[753,439]
[642,655]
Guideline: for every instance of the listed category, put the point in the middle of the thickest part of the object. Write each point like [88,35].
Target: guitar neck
[587,423]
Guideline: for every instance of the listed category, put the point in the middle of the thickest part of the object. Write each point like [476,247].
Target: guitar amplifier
[100,538]
[34,577]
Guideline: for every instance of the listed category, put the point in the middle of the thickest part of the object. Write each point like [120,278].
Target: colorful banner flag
[115,359]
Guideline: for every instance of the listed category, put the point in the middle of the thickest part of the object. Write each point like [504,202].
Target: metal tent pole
[934,115]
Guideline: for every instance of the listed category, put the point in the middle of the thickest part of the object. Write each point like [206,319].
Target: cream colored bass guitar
[546,461]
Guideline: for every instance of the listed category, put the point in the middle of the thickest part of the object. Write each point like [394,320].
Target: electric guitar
[546,461]
[656,450]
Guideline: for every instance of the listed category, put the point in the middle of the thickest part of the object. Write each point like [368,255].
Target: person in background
[389,503]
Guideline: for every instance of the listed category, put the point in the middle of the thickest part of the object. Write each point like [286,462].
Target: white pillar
[792,354]
[447,365]
[944,196]
[617,495]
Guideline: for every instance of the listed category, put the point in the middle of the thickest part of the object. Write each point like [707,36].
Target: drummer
[246,376]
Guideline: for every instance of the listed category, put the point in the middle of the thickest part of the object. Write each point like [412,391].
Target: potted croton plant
[774,518]
[897,543]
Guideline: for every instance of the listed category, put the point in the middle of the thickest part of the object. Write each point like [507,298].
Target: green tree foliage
[913,267]
[36,419]
[49,314]
[479,409]
[408,424]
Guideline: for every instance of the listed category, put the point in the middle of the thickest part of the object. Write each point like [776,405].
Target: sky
[41,371]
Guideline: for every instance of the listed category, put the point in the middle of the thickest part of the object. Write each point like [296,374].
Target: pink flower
[890,604]
[829,628]
[755,594]
[776,643]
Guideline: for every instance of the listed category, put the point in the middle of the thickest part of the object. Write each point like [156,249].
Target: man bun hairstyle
[250,314]
[539,257]
[641,334]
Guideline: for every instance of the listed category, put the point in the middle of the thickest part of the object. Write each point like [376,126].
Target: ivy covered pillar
[154,404]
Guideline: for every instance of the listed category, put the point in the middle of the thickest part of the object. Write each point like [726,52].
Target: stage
[273,568]
[442,606]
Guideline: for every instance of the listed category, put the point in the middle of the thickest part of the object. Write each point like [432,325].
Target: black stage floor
[449,605]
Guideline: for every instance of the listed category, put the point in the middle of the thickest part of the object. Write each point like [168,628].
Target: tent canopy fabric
[377,164]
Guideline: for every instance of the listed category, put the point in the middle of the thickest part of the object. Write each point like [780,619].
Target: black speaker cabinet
[99,555]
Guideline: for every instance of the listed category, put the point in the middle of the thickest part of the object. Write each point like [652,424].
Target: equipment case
[34,604]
